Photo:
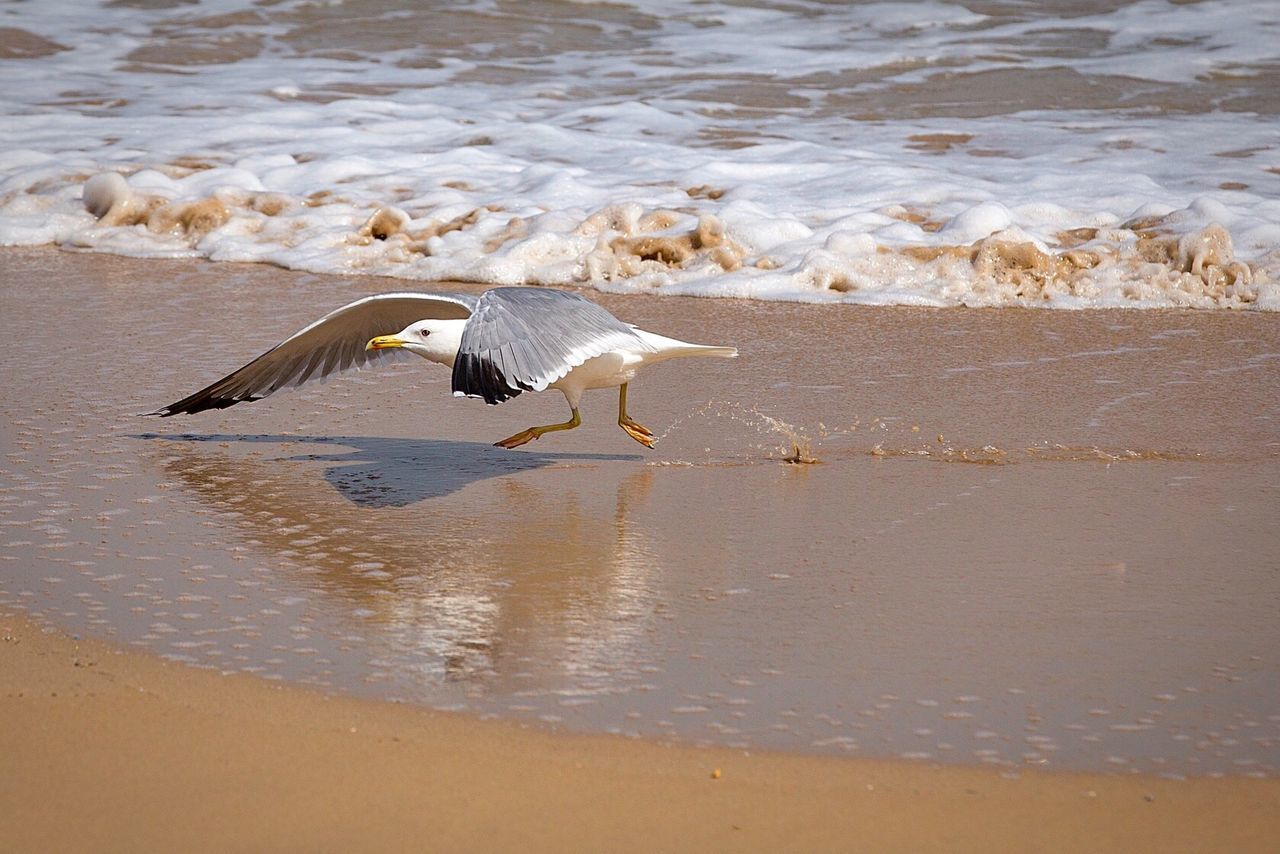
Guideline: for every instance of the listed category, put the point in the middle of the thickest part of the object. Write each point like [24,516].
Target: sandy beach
[109,751]
[1034,541]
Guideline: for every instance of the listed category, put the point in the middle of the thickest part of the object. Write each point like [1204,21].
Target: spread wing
[333,343]
[524,339]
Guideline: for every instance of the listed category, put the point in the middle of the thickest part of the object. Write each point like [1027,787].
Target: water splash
[987,455]
[797,448]
[990,455]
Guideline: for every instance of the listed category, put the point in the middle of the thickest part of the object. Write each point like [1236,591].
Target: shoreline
[985,477]
[117,750]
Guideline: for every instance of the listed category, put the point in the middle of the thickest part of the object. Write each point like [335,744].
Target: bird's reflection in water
[543,582]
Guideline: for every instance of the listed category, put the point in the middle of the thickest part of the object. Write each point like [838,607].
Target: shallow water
[1032,539]
[987,154]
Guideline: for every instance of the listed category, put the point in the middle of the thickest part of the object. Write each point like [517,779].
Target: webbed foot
[535,432]
[637,431]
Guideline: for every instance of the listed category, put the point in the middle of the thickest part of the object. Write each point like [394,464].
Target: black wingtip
[477,376]
[199,403]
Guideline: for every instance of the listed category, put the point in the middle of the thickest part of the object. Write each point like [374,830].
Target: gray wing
[333,343]
[524,339]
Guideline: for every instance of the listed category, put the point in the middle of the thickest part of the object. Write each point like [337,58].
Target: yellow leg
[534,432]
[636,431]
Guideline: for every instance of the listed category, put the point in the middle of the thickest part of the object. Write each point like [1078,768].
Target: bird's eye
[424,333]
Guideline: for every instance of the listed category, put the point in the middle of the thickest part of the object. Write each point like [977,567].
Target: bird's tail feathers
[712,350]
[670,348]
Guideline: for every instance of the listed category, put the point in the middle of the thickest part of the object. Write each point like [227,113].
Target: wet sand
[108,751]
[1030,540]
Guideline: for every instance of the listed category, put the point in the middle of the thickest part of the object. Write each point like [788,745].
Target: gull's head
[437,340]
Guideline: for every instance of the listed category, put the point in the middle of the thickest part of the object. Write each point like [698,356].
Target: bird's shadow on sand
[373,471]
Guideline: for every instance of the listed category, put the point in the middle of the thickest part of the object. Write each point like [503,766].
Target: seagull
[499,344]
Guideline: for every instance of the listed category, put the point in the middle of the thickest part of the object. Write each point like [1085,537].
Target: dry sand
[1061,517]
[109,751]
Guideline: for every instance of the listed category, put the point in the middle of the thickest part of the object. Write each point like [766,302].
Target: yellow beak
[382,342]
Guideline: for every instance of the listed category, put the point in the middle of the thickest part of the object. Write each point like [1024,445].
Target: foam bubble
[977,222]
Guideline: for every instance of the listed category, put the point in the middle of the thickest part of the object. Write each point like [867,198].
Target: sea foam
[874,153]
